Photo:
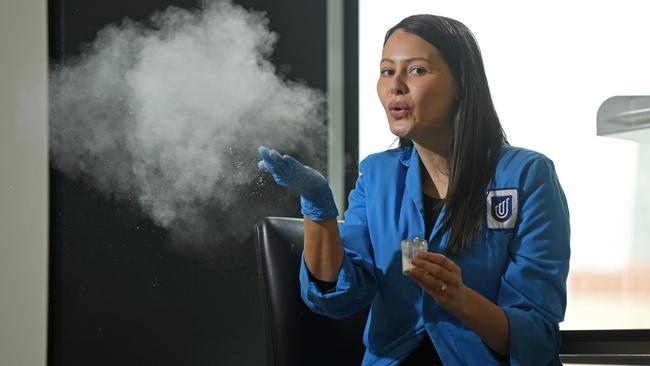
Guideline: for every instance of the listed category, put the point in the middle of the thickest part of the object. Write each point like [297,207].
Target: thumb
[263,166]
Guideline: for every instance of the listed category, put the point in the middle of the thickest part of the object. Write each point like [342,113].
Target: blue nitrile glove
[315,194]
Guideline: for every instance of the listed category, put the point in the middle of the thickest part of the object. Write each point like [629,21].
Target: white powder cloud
[170,115]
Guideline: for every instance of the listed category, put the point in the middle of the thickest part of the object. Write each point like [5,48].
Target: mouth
[398,110]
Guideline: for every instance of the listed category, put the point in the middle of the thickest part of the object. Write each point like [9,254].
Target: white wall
[23,182]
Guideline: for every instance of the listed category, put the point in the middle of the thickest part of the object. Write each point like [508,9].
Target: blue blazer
[519,260]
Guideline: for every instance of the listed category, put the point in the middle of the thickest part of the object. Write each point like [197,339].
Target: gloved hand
[316,197]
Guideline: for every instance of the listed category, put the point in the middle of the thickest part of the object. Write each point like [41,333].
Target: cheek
[437,100]
[379,92]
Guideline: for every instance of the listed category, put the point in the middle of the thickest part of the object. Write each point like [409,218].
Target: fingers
[439,259]
[269,155]
[291,161]
[262,165]
[275,156]
[271,161]
[435,272]
[427,281]
[263,152]
[270,167]
[440,269]
[275,163]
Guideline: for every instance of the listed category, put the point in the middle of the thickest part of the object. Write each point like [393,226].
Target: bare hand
[440,277]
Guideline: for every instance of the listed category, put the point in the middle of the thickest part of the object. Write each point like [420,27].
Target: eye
[387,72]
[417,71]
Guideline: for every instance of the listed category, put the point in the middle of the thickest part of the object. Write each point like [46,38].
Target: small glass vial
[409,249]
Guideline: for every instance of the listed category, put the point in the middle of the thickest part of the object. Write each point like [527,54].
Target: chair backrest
[294,334]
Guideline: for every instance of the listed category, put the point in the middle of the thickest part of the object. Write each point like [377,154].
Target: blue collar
[411,160]
[409,156]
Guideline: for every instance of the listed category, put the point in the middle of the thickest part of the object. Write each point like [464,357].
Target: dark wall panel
[119,292]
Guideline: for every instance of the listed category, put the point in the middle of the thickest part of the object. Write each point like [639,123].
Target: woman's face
[415,87]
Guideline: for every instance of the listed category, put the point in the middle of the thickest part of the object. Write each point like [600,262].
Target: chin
[399,131]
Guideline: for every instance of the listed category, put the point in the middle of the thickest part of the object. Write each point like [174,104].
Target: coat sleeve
[356,284]
[533,288]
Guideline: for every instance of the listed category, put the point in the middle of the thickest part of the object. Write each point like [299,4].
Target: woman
[492,287]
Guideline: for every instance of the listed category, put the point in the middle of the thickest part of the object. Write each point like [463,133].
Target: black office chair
[294,334]
[297,336]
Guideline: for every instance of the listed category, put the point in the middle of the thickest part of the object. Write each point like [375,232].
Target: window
[550,66]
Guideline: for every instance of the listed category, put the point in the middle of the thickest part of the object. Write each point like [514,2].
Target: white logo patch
[502,209]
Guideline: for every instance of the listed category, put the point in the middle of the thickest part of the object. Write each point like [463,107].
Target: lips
[398,109]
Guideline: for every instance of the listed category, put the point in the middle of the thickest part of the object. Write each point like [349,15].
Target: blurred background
[91,272]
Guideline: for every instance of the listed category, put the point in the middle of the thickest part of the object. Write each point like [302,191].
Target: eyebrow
[407,60]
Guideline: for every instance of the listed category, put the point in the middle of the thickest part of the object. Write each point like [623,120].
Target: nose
[397,86]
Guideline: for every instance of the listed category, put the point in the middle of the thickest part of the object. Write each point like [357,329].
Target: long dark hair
[477,135]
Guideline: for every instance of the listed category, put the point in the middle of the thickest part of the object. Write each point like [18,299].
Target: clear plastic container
[409,249]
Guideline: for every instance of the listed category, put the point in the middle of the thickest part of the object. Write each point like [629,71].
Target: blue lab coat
[519,260]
